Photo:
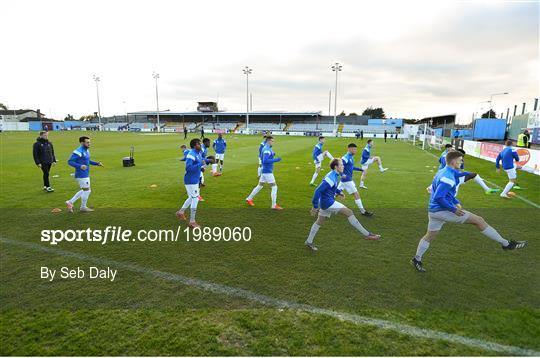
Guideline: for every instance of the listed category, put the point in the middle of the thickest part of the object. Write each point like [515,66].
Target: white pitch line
[278,303]
[532,203]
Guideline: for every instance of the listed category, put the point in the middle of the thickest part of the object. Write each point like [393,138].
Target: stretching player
[185,151]
[261,146]
[347,182]
[367,160]
[318,156]
[445,207]
[219,146]
[80,160]
[464,176]
[204,153]
[508,155]
[267,176]
[442,157]
[324,205]
[194,165]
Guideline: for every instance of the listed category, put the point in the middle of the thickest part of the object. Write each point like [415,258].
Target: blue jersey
[317,151]
[366,153]
[194,163]
[219,146]
[268,160]
[443,190]
[261,146]
[442,159]
[186,151]
[507,155]
[348,164]
[81,156]
[204,151]
[325,193]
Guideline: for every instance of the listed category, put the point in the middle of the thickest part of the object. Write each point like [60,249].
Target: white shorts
[348,186]
[512,173]
[267,178]
[437,219]
[83,182]
[192,190]
[367,164]
[220,156]
[333,209]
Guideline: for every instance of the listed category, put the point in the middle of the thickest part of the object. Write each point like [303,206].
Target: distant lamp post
[247,71]
[480,106]
[491,101]
[336,67]
[97,79]
[156,77]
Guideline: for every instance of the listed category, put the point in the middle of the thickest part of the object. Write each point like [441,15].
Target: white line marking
[498,187]
[274,302]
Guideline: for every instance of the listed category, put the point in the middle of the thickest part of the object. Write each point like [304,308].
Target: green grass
[473,288]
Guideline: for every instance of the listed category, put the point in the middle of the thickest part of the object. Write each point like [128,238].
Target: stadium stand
[309,127]
[229,126]
[351,128]
[264,126]
[114,126]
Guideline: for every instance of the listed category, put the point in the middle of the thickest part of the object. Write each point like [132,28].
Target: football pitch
[268,295]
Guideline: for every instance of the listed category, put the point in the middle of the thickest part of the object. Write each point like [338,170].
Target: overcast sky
[415,59]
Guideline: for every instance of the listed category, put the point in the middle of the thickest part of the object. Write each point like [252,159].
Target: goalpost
[424,137]
[431,139]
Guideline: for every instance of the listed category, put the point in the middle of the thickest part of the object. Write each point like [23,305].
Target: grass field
[472,288]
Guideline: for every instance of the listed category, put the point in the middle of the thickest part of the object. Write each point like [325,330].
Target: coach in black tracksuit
[44,157]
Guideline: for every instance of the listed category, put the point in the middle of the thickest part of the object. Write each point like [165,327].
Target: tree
[342,113]
[374,112]
[3,107]
[87,117]
[489,114]
[353,114]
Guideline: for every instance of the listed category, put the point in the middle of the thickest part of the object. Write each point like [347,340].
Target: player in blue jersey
[80,160]
[204,153]
[444,207]
[267,174]
[261,146]
[195,163]
[509,158]
[442,157]
[185,152]
[318,155]
[347,182]
[464,177]
[219,146]
[367,160]
[324,205]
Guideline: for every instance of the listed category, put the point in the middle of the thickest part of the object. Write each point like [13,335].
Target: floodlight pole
[96,79]
[336,67]
[247,71]
[329,102]
[156,76]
